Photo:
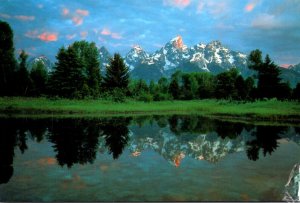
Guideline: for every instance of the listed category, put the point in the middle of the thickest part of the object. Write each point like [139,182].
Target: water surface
[158,158]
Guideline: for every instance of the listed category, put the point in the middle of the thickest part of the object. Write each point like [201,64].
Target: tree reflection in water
[266,139]
[116,131]
[76,141]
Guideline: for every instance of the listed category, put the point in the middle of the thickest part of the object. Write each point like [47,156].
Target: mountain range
[175,55]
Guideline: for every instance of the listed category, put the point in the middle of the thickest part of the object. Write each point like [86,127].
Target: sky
[42,27]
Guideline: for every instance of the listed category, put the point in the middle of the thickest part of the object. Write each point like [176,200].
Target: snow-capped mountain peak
[43,59]
[177,42]
[175,55]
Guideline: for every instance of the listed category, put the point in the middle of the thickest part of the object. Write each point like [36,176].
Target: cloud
[24,18]
[32,34]
[76,17]
[265,21]
[83,34]
[48,37]
[105,31]
[65,12]
[82,12]
[18,17]
[44,36]
[251,5]
[213,7]
[71,36]
[114,35]
[177,3]
[6,16]
[222,26]
[77,20]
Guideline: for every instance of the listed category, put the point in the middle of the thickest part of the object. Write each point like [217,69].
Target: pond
[146,158]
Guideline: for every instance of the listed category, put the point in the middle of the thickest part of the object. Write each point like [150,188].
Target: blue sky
[42,27]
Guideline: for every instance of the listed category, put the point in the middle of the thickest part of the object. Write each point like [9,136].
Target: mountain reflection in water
[78,141]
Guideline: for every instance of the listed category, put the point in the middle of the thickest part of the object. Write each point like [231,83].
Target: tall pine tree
[268,75]
[7,60]
[39,77]
[117,74]
[89,56]
[23,78]
[67,79]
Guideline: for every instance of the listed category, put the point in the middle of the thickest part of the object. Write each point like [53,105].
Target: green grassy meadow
[260,110]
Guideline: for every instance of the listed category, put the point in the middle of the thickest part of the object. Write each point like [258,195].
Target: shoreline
[270,110]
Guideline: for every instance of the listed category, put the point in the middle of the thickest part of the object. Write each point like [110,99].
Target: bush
[115,95]
[145,97]
[161,97]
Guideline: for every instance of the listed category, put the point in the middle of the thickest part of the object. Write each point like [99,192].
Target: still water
[157,158]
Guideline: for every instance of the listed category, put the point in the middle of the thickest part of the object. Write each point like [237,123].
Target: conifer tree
[89,57]
[117,74]
[67,79]
[189,86]
[240,87]
[152,87]
[296,92]
[7,60]
[174,89]
[23,79]
[39,78]
[268,75]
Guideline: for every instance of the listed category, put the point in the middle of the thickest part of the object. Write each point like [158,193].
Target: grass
[258,110]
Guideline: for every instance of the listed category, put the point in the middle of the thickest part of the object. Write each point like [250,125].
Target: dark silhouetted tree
[23,78]
[189,86]
[296,92]
[39,78]
[117,74]
[225,87]
[174,89]
[89,57]
[7,60]
[249,86]
[240,86]
[67,80]
[268,75]
[206,85]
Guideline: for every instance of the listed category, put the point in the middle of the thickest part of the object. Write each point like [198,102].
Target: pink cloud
[82,12]
[69,37]
[105,31]
[114,35]
[177,3]
[76,17]
[24,18]
[83,34]
[77,20]
[48,37]
[251,5]
[65,12]
[3,15]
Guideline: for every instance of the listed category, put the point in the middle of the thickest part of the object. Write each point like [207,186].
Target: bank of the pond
[258,110]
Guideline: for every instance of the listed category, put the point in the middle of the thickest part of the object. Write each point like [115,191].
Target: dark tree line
[77,75]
